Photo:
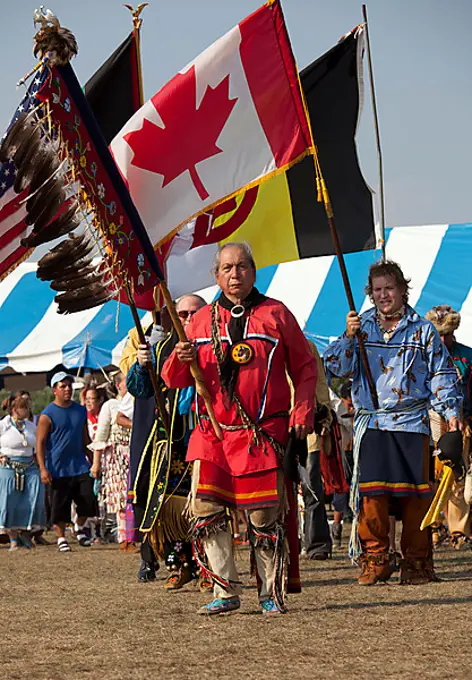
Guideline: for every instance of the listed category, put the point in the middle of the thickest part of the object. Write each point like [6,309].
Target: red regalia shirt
[279,347]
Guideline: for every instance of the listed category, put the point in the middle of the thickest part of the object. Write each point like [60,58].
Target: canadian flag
[231,118]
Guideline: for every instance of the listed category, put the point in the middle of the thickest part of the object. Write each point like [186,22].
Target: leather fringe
[172,524]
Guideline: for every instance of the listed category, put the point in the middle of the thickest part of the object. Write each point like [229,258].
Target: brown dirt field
[83,615]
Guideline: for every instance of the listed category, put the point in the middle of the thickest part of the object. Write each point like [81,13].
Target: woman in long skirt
[112,443]
[21,490]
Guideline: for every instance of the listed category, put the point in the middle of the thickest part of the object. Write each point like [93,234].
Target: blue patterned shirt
[412,368]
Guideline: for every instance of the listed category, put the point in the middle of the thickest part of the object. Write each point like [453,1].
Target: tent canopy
[438,259]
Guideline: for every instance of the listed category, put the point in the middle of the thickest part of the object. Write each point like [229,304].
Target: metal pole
[137,23]
[377,133]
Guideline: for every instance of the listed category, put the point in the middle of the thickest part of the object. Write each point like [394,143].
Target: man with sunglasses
[159,499]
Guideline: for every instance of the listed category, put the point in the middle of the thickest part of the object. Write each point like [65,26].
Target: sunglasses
[185,313]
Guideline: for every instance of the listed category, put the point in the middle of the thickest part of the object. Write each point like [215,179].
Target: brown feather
[26,172]
[35,205]
[84,302]
[68,281]
[67,222]
[69,267]
[10,144]
[73,270]
[79,282]
[47,165]
[57,40]
[50,210]
[63,249]
[70,251]
[30,136]
[90,290]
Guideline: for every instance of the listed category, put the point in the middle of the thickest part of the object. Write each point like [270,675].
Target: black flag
[332,90]
[113,91]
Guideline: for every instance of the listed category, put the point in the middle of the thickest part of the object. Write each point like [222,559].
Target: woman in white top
[21,490]
[111,453]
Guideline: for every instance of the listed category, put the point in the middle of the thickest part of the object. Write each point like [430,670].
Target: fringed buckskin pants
[218,544]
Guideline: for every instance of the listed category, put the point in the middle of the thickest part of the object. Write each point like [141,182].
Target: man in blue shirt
[61,440]
[412,372]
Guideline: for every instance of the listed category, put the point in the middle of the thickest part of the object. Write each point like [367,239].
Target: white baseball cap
[60,376]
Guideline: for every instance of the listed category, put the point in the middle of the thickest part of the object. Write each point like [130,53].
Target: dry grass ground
[83,615]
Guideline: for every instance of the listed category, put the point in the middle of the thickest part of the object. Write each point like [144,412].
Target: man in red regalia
[245,344]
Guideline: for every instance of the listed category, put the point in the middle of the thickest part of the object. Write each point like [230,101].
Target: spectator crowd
[104,464]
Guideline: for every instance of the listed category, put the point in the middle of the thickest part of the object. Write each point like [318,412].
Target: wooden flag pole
[347,284]
[194,367]
[150,367]
[323,197]
[137,23]
[377,133]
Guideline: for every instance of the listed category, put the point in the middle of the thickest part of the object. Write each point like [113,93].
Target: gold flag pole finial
[137,23]
[136,14]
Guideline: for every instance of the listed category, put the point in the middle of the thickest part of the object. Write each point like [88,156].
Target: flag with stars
[12,210]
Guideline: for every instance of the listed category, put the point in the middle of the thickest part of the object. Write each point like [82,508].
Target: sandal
[25,541]
[62,545]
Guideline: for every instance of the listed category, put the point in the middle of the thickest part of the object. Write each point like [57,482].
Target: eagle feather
[65,223]
[93,300]
[11,142]
[80,282]
[70,249]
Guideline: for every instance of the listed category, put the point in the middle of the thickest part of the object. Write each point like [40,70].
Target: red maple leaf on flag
[189,135]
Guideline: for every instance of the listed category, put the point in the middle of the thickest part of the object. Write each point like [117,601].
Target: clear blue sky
[422,55]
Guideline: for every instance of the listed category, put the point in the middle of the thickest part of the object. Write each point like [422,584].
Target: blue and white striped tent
[438,259]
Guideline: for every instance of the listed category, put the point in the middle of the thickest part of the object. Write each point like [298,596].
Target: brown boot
[178,579]
[416,572]
[375,568]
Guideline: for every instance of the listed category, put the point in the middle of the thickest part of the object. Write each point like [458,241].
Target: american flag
[12,215]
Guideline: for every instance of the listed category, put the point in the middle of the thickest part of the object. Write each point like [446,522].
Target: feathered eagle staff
[71,180]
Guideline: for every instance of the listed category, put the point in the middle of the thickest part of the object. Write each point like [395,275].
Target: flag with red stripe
[230,119]
[12,212]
